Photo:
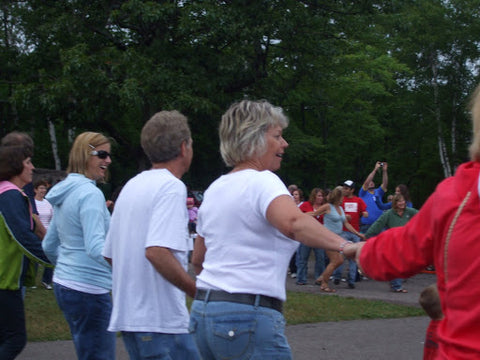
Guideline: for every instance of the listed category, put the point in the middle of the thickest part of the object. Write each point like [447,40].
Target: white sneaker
[293,275]
[47,286]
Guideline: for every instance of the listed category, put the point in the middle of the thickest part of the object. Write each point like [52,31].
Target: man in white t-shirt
[148,246]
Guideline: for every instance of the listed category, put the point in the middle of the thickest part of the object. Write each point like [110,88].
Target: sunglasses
[102,154]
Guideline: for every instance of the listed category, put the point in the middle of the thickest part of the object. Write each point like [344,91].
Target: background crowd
[140,254]
[355,218]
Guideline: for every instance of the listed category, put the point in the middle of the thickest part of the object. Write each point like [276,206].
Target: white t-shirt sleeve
[169,231]
[269,187]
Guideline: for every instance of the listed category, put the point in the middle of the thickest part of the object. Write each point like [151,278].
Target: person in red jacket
[446,233]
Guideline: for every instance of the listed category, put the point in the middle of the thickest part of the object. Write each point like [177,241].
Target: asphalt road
[397,339]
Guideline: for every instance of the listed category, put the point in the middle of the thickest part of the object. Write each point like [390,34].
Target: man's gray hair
[163,135]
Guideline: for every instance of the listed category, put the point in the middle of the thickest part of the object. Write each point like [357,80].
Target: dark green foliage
[361,81]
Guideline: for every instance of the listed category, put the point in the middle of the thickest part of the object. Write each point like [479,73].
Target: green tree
[361,81]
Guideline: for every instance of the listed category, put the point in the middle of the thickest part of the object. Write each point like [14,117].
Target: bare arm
[283,214]
[170,268]
[198,254]
[324,209]
[352,230]
[370,176]
[353,252]
[384,177]
[40,230]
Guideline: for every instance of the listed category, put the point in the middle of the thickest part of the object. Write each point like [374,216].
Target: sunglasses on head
[102,154]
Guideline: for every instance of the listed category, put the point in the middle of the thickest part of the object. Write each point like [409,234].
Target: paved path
[396,339]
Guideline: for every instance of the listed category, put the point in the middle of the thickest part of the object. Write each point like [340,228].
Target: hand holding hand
[350,250]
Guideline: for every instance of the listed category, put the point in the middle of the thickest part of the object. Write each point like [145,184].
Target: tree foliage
[361,81]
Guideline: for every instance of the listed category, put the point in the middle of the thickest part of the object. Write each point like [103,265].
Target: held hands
[351,250]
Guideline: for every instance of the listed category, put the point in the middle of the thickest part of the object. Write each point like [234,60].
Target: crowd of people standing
[354,218]
[140,254]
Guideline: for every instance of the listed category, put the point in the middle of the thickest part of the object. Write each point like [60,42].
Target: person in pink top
[192,215]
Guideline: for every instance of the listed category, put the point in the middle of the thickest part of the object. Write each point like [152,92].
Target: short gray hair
[243,128]
[163,135]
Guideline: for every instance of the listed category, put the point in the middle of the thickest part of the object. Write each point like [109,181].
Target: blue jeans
[352,265]
[13,335]
[88,316]
[227,330]
[47,275]
[396,284]
[303,253]
[151,346]
[364,228]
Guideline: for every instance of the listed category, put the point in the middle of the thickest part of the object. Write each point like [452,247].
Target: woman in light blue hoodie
[74,243]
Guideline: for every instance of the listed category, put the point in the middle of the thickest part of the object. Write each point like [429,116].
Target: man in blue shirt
[368,193]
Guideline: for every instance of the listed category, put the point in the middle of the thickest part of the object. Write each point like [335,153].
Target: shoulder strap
[449,234]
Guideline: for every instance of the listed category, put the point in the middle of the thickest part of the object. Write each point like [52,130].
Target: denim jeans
[292,265]
[151,346]
[364,228]
[13,335]
[303,253]
[88,316]
[396,284]
[352,265]
[47,275]
[227,330]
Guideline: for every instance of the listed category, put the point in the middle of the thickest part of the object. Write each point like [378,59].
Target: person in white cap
[354,208]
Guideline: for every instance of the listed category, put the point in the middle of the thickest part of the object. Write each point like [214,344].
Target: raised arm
[370,176]
[384,176]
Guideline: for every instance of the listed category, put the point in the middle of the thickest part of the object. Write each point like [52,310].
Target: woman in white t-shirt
[45,214]
[246,229]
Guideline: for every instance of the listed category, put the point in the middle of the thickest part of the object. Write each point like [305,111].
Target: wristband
[342,246]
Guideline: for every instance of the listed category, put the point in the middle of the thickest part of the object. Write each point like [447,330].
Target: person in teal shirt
[397,216]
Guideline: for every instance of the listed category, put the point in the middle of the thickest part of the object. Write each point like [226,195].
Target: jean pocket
[234,338]
[192,326]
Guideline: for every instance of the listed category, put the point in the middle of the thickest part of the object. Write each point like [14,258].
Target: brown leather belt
[248,299]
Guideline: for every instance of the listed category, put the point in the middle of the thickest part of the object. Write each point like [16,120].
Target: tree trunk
[442,149]
[454,133]
[53,140]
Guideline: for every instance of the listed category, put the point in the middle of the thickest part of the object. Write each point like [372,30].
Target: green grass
[45,321]
[302,308]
